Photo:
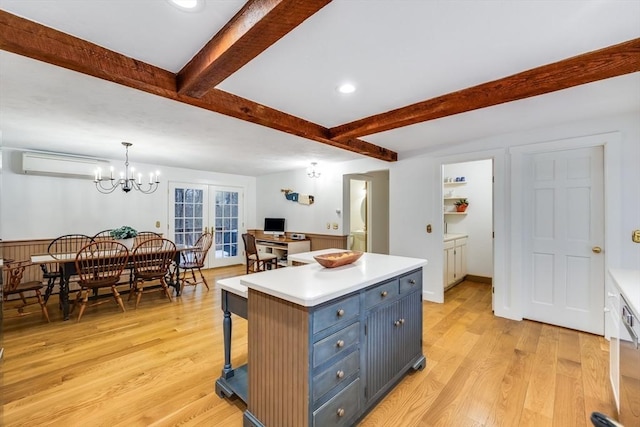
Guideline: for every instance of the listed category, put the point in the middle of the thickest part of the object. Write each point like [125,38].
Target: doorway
[359,216]
[197,208]
[468,250]
[366,210]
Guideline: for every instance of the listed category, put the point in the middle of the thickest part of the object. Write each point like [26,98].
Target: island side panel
[278,361]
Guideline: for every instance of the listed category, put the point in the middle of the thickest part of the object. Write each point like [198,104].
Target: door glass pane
[188,211]
[226,223]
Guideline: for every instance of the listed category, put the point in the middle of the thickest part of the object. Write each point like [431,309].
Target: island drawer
[335,313]
[411,281]
[335,374]
[341,410]
[335,344]
[383,292]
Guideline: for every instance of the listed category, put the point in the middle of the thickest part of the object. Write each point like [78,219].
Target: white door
[564,227]
[195,208]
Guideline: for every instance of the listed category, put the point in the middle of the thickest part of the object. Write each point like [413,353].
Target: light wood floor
[157,366]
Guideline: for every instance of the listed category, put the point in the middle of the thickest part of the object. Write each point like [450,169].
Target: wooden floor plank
[157,365]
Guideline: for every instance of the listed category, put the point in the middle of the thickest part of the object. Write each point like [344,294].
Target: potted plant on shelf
[461,205]
[125,235]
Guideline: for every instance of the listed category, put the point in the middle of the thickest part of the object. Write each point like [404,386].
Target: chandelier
[313,171]
[128,180]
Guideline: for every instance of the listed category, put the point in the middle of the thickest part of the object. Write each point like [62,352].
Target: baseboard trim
[478,279]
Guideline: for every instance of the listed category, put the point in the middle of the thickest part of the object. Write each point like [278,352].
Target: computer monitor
[274,226]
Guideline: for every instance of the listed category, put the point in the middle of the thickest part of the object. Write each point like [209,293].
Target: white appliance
[629,366]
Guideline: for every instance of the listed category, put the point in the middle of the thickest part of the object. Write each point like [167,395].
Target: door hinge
[365,392]
[365,329]
[493,234]
[493,290]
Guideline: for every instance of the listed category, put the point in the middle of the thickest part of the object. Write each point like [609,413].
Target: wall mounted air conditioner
[34,163]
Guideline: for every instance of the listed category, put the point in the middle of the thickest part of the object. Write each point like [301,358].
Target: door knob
[596,249]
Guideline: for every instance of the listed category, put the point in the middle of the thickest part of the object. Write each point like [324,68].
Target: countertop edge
[628,282]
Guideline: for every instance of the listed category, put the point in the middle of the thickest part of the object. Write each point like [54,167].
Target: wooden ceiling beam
[613,61]
[258,25]
[33,40]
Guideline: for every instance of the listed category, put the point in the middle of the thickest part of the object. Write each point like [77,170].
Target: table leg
[227,371]
[64,292]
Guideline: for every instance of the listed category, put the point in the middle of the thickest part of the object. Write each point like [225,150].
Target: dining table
[67,268]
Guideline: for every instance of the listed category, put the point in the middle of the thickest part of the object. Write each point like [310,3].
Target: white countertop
[307,257]
[452,236]
[232,284]
[628,281]
[312,284]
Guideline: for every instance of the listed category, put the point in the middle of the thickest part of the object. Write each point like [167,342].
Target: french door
[196,208]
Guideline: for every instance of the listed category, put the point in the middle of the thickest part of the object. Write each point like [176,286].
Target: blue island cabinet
[328,365]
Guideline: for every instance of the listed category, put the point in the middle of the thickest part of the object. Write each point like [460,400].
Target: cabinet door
[450,262]
[380,348]
[408,335]
[394,338]
[457,274]
[461,261]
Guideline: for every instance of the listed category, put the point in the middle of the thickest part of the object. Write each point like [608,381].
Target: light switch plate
[635,236]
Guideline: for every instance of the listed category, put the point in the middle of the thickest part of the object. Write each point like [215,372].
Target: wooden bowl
[337,259]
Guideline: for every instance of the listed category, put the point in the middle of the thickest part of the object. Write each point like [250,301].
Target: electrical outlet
[328,226]
[635,236]
[335,225]
[157,224]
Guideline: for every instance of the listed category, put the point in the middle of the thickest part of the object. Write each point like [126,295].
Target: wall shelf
[455,183]
[455,213]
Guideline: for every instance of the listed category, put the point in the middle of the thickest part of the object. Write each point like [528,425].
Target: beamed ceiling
[238,71]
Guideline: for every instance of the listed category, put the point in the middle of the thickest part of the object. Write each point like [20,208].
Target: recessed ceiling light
[346,88]
[188,5]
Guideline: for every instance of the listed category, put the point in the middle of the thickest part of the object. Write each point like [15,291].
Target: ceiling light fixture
[188,5]
[346,88]
[312,171]
[127,180]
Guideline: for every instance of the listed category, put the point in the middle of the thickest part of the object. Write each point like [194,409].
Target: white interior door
[195,208]
[564,222]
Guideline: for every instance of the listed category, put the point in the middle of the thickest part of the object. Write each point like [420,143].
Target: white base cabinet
[455,261]
[282,248]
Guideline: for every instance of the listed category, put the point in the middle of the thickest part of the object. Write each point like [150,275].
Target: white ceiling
[396,52]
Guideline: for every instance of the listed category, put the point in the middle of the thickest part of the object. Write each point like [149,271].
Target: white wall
[328,192]
[416,198]
[478,222]
[43,207]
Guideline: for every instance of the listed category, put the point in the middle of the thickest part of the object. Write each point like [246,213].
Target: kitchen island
[325,345]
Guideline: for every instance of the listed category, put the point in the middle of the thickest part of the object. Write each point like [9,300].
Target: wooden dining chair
[151,261]
[14,285]
[103,235]
[99,265]
[193,259]
[145,235]
[256,261]
[67,244]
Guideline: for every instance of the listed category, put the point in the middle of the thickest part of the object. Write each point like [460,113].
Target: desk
[234,300]
[67,263]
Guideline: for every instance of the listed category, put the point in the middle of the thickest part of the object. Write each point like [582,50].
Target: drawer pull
[340,312]
[412,281]
[340,412]
[402,321]
[340,343]
[340,374]
[383,294]
[396,323]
